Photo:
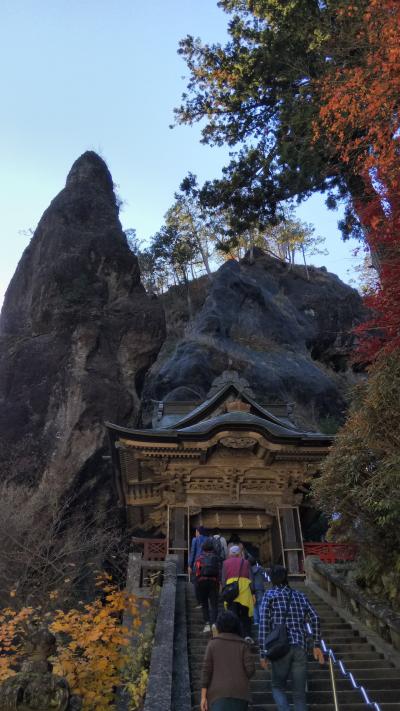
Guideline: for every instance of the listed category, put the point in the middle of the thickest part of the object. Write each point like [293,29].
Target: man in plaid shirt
[294,663]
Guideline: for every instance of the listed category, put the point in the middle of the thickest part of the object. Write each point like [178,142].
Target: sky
[98,75]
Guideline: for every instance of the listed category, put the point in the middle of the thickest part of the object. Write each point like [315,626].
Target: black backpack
[219,548]
[208,565]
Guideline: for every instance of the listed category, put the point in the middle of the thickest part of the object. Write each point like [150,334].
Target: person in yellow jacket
[235,567]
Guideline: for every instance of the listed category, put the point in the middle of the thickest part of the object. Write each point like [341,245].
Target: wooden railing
[331,552]
[151,548]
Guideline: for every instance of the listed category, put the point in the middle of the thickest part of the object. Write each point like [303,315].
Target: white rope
[347,675]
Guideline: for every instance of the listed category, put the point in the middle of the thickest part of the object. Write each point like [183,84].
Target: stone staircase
[379,677]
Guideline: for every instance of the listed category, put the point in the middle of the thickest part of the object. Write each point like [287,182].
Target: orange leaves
[93,645]
[359,103]
[11,623]
[359,116]
[98,646]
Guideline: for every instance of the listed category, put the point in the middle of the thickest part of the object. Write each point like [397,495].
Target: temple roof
[201,424]
[237,421]
[230,406]
[206,408]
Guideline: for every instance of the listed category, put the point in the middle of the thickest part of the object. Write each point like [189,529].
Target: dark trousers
[259,596]
[242,612]
[196,589]
[229,704]
[294,666]
[207,590]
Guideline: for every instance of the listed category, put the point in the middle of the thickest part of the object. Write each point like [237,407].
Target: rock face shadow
[289,336]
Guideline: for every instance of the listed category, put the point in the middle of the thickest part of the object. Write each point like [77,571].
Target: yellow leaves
[93,636]
[93,659]
[100,665]
[68,667]
[11,622]
[93,645]
[137,690]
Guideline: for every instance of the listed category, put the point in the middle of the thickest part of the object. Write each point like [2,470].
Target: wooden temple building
[229,463]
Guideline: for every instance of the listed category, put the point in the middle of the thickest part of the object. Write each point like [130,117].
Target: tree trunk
[251,253]
[367,205]
[305,263]
[188,296]
[204,257]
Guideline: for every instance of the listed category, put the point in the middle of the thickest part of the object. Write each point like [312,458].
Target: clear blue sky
[101,75]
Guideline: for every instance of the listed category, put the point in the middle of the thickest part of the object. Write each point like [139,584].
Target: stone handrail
[374,614]
[159,689]
[168,687]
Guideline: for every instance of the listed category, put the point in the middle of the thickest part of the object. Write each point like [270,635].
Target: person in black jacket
[207,569]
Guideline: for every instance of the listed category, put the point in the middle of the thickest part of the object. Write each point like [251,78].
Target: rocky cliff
[288,335]
[77,336]
[80,339]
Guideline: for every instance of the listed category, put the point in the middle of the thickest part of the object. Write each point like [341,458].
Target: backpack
[207,566]
[218,548]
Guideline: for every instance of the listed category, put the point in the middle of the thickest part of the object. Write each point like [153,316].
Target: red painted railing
[153,548]
[331,552]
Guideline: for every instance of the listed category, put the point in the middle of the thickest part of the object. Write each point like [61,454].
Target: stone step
[379,677]
[331,640]
[360,706]
[370,678]
[340,650]
[346,657]
[345,626]
[369,683]
[351,696]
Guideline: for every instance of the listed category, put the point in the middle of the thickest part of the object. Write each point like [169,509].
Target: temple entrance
[253,527]
[269,538]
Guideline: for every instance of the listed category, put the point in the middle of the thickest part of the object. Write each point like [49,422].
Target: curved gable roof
[206,409]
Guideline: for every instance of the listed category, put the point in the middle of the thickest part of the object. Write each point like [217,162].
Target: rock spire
[77,335]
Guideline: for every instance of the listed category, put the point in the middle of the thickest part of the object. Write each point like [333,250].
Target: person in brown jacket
[227,668]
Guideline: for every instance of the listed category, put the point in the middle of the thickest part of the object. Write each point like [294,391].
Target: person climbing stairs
[379,677]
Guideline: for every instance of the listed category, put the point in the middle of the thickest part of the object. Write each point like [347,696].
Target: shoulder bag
[231,591]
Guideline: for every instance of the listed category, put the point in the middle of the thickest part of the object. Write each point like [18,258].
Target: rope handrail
[346,674]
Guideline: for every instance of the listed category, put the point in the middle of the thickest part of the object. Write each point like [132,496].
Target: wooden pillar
[290,540]
[179,536]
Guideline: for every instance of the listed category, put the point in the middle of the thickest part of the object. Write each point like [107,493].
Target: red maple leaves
[360,113]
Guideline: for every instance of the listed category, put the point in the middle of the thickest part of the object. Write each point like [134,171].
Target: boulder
[286,331]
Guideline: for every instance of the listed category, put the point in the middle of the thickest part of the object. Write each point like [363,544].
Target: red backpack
[207,565]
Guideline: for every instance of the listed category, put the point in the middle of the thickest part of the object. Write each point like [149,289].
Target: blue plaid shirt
[272,611]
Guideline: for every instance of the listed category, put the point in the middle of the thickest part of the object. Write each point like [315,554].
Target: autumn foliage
[93,646]
[359,114]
